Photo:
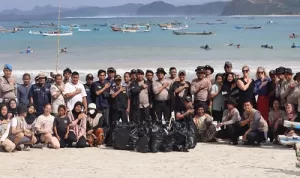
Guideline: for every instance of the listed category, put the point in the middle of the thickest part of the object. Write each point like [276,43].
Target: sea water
[90,51]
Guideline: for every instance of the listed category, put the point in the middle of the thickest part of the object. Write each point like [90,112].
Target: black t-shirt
[61,124]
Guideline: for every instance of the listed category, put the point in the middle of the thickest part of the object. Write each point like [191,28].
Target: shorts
[23,140]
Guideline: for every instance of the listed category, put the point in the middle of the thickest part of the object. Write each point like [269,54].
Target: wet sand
[206,160]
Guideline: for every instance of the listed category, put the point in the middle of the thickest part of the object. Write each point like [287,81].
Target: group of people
[60,111]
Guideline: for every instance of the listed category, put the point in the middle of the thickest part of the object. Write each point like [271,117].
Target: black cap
[133,71]
[118,77]
[272,72]
[208,67]
[161,70]
[22,109]
[140,71]
[89,76]
[187,99]
[297,76]
[280,70]
[288,71]
[228,64]
[111,69]
[200,69]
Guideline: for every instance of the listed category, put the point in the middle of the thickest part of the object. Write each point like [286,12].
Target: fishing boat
[84,30]
[103,25]
[115,29]
[192,33]
[75,26]
[255,27]
[175,28]
[96,29]
[57,33]
[35,33]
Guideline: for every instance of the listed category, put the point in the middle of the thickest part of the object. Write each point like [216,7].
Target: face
[227,69]
[208,71]
[102,76]
[200,111]
[245,71]
[58,80]
[200,75]
[181,77]
[273,77]
[61,111]
[149,76]
[4,110]
[247,106]
[42,80]
[230,78]
[288,108]
[118,82]
[78,108]
[75,79]
[7,73]
[13,104]
[67,76]
[188,105]
[89,81]
[288,76]
[173,73]
[260,73]
[126,77]
[276,104]
[140,77]
[160,76]
[280,76]
[219,79]
[298,79]
[111,74]
[31,110]
[133,76]
[230,106]
[47,110]
[26,80]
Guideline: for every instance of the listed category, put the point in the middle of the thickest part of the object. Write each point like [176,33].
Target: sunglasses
[244,71]
[260,72]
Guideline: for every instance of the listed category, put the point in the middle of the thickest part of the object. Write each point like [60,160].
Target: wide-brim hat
[288,71]
[209,68]
[118,77]
[280,70]
[160,70]
[200,69]
[42,75]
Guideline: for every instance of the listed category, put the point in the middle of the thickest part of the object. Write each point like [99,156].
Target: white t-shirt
[45,123]
[14,122]
[69,88]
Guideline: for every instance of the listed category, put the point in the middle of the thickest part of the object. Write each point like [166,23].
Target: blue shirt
[264,91]
[101,101]
[88,93]
[41,96]
[22,94]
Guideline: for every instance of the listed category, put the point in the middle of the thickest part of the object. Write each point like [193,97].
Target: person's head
[7,70]
[201,110]
[288,74]
[230,77]
[3,110]
[219,78]
[297,77]
[139,75]
[246,71]
[61,110]
[89,79]
[126,77]
[22,110]
[181,75]
[42,78]
[31,108]
[209,70]
[289,108]
[58,79]
[201,73]
[47,109]
[160,73]
[248,106]
[101,74]
[272,75]
[230,103]
[75,77]
[227,67]
[261,73]
[188,103]
[111,72]
[67,74]
[92,109]
[280,72]
[173,72]
[12,104]
[26,79]
[149,75]
[78,107]
[133,75]
[276,105]
[118,80]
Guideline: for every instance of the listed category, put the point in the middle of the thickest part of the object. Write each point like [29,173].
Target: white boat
[76,26]
[174,28]
[129,30]
[84,30]
[34,33]
[57,34]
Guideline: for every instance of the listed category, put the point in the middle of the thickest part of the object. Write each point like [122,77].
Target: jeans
[255,136]
[80,143]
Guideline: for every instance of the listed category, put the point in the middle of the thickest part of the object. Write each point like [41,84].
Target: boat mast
[58,37]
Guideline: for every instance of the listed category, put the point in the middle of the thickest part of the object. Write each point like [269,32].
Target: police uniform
[88,89]
[41,96]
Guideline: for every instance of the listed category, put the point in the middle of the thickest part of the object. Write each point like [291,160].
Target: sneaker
[44,147]
[20,147]
[26,148]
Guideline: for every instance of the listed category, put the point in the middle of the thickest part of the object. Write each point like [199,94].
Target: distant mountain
[262,7]
[213,8]
[158,8]
[37,10]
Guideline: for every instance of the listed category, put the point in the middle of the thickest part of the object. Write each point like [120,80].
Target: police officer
[39,94]
[149,76]
[89,81]
[139,99]
[119,104]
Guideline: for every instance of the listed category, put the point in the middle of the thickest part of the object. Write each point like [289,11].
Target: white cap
[92,106]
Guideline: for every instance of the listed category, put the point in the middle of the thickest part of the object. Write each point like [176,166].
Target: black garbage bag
[142,144]
[121,136]
[157,137]
[174,141]
[108,136]
[134,137]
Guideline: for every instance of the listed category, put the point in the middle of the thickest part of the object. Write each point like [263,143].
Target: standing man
[161,88]
[89,81]
[272,87]
[173,74]
[139,99]
[40,94]
[209,71]
[23,90]
[289,87]
[280,86]
[227,69]
[149,77]
[133,75]
[200,88]
[111,72]
[67,75]
[182,90]
[7,84]
[74,92]
[100,91]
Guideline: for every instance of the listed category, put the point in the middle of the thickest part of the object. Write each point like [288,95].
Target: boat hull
[57,34]
[192,33]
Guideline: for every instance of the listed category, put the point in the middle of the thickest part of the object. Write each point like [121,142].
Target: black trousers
[162,108]
[273,134]
[117,115]
[255,136]
[81,143]
[217,115]
[139,115]
[229,132]
[152,113]
[105,115]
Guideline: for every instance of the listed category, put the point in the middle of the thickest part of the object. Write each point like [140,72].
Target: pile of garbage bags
[154,137]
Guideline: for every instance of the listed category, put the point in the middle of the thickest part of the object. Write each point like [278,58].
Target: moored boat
[35,33]
[115,29]
[84,30]
[57,33]
[193,33]
[255,27]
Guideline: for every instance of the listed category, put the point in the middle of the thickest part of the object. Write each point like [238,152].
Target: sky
[29,4]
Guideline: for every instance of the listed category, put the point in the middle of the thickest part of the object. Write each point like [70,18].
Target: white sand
[207,160]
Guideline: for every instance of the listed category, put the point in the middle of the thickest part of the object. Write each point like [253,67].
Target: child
[30,120]
[61,126]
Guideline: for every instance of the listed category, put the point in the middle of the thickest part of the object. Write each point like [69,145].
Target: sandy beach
[206,160]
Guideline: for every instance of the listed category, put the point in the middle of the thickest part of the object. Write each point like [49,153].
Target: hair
[67,70]
[48,104]
[149,71]
[245,66]
[62,107]
[248,101]
[201,106]
[218,75]
[126,73]
[58,75]
[26,74]
[101,71]
[172,68]
[263,69]
[75,73]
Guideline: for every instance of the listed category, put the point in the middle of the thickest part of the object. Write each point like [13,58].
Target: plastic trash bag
[157,137]
[121,136]
[142,144]
[174,141]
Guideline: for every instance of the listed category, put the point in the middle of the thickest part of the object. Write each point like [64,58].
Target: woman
[229,88]
[95,134]
[217,98]
[30,121]
[206,129]
[4,119]
[246,88]
[230,120]
[274,117]
[78,125]
[44,127]
[57,93]
[291,116]
[12,108]
[261,89]
[126,79]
